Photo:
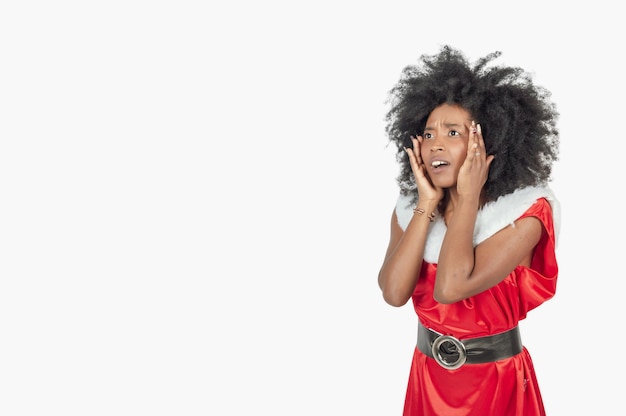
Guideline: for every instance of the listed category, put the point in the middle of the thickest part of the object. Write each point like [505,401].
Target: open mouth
[438,163]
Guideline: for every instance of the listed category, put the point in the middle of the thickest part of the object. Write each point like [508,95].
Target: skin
[463,270]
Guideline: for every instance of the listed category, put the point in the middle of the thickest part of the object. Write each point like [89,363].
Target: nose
[436,146]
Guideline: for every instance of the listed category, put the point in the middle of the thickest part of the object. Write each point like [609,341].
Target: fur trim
[491,218]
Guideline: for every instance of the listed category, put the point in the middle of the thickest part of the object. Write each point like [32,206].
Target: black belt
[452,353]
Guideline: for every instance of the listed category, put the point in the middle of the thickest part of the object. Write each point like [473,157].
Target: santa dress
[502,388]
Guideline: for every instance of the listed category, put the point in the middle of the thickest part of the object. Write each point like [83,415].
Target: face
[444,148]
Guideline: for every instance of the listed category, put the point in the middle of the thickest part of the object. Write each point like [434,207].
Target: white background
[195,202]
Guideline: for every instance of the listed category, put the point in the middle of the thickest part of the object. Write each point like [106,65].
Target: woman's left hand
[474,171]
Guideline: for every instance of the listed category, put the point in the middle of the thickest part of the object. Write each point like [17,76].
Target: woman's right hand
[425,189]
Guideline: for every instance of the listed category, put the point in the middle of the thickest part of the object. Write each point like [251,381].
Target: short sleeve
[538,282]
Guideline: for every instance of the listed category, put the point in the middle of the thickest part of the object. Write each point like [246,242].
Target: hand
[474,171]
[425,188]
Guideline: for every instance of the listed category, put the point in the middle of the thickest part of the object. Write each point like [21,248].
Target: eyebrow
[448,125]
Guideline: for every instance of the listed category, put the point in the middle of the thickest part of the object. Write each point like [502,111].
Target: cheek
[460,152]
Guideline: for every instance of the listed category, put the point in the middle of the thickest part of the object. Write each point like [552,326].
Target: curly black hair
[518,119]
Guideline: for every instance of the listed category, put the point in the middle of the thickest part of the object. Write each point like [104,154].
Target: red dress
[501,388]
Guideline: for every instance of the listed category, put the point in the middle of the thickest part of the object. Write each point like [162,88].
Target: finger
[416,151]
[415,158]
[418,145]
[473,151]
[471,142]
[411,155]
[479,144]
[481,139]
[479,136]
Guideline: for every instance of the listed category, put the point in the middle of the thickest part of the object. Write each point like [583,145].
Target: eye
[427,136]
[454,133]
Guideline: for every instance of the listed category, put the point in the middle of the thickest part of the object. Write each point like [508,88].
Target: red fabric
[502,388]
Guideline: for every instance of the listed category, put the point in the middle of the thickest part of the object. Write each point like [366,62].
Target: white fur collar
[491,218]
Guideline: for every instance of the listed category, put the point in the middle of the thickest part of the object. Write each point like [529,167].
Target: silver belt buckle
[454,347]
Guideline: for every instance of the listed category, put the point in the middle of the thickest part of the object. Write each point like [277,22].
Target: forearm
[456,259]
[398,275]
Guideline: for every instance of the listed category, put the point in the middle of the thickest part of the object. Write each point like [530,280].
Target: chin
[441,183]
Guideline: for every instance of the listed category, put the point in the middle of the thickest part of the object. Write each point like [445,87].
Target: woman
[473,232]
